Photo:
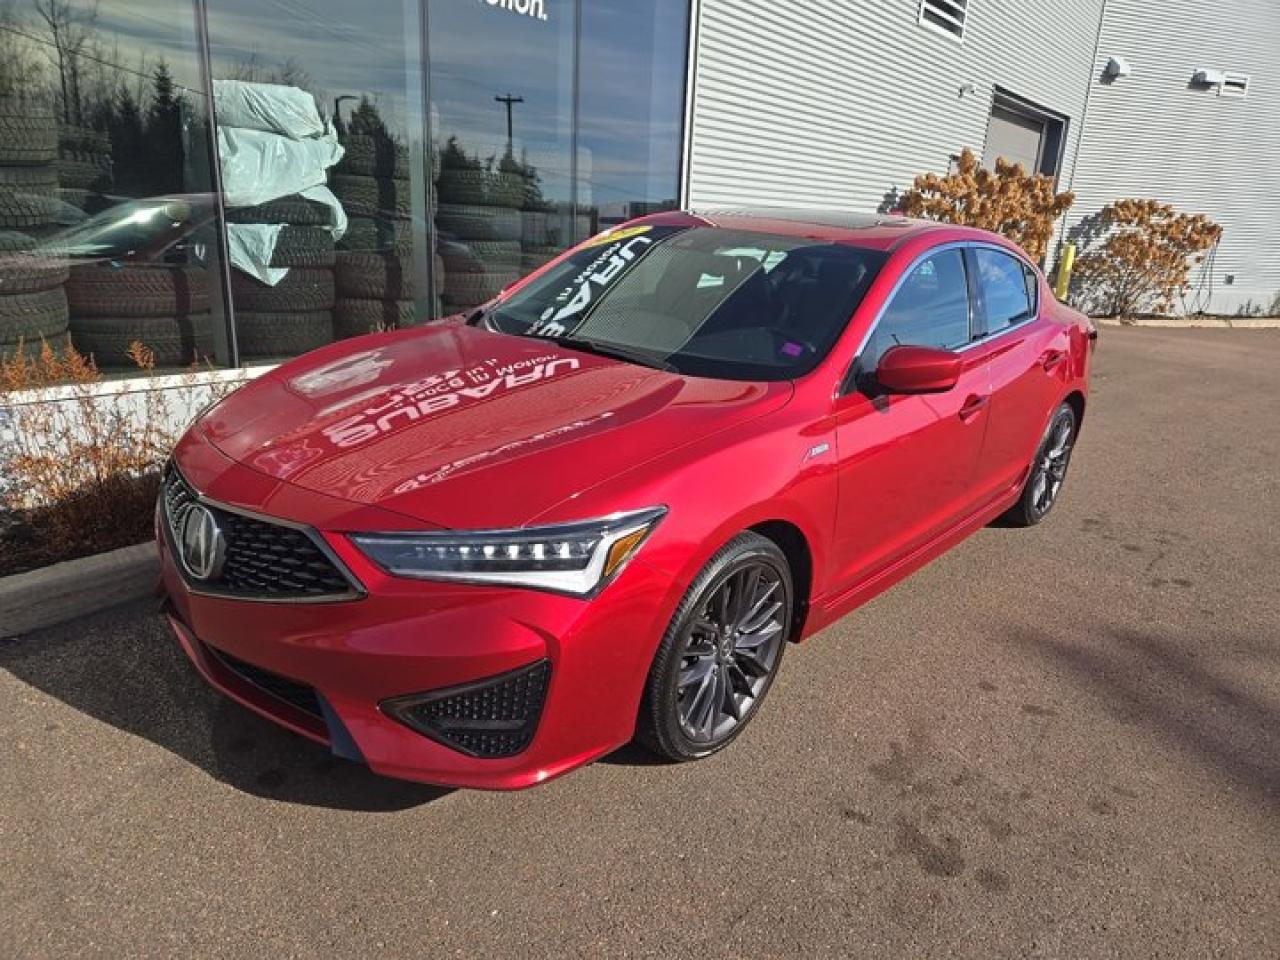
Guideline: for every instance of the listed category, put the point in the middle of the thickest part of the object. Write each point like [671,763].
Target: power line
[90,57]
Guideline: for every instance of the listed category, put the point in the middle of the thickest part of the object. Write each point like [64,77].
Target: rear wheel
[1048,470]
[720,653]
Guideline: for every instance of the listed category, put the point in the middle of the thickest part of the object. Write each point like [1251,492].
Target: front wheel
[721,651]
[1048,470]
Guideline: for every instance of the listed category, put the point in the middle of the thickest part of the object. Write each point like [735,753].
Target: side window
[930,309]
[1008,289]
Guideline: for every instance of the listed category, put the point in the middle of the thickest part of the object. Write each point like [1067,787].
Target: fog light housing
[490,719]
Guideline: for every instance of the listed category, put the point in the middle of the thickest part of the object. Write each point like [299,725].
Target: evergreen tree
[165,154]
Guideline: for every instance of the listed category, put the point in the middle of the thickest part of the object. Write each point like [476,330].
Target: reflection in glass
[317,147]
[631,108]
[102,104]
[502,83]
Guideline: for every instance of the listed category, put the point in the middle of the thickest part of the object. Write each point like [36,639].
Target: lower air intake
[491,719]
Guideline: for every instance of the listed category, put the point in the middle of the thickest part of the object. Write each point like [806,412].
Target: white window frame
[943,31]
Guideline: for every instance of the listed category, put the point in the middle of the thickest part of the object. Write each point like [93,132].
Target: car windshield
[124,229]
[701,301]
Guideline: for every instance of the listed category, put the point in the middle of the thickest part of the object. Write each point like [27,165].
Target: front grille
[282,688]
[493,718]
[263,560]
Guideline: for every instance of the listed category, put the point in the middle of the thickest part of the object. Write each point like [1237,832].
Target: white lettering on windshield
[580,294]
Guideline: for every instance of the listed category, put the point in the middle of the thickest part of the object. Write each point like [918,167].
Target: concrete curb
[64,591]
[1208,323]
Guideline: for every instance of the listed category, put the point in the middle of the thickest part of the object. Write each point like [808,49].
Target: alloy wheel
[729,652]
[1050,467]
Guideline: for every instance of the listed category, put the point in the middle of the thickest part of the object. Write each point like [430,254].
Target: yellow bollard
[1065,266]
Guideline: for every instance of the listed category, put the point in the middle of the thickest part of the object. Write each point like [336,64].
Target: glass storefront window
[322,160]
[631,114]
[502,84]
[239,181]
[108,230]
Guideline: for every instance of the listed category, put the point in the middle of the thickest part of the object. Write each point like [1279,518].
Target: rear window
[703,301]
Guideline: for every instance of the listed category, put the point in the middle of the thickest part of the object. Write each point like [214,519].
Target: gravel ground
[1062,742]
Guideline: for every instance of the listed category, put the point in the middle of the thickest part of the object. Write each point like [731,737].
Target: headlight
[576,558]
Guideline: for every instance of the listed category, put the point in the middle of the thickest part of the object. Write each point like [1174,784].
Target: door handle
[973,406]
[1051,359]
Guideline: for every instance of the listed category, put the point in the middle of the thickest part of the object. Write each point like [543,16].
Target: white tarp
[270,107]
[272,143]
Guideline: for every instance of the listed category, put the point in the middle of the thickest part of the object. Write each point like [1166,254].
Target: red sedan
[489,550]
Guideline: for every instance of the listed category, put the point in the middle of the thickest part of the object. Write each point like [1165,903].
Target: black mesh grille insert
[263,560]
[282,688]
[492,718]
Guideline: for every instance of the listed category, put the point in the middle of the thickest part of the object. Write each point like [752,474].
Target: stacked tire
[32,301]
[84,167]
[164,307]
[295,315]
[480,213]
[375,272]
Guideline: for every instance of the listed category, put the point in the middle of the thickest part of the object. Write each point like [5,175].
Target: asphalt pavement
[1061,742]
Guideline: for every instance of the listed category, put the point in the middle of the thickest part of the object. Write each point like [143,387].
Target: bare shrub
[1006,200]
[1143,258]
[81,463]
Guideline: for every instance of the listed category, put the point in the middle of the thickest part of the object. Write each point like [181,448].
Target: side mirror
[908,369]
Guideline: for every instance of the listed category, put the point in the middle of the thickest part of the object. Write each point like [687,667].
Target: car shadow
[125,668]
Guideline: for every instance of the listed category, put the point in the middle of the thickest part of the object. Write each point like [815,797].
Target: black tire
[371,196]
[138,291]
[482,188]
[32,350]
[26,210]
[28,133]
[264,336]
[21,272]
[293,209]
[303,290]
[355,317]
[471,289]
[469,222]
[180,341]
[377,233]
[660,726]
[30,316]
[38,181]
[304,247]
[373,157]
[80,175]
[1052,458]
[375,276]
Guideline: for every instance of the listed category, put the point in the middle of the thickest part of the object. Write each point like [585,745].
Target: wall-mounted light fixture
[1116,68]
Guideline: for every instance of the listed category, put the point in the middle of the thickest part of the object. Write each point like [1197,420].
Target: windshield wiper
[615,352]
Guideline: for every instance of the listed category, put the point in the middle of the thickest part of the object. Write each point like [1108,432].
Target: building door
[1022,132]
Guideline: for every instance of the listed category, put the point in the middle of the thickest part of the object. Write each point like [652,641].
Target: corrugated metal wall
[835,103]
[1153,134]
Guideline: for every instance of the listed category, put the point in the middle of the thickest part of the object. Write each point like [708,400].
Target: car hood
[462,428]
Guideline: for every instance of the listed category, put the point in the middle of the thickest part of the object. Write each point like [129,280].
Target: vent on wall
[1234,85]
[945,15]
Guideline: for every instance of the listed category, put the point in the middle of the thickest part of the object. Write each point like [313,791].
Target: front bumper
[327,671]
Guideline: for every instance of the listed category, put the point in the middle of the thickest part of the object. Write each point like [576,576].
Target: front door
[907,463]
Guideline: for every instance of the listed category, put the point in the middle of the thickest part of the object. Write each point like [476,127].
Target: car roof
[871,230]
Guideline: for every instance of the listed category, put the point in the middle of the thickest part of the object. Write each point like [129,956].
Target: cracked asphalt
[1062,742]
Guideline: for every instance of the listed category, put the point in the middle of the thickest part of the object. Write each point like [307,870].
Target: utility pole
[510,102]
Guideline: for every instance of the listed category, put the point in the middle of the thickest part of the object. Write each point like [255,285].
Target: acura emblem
[203,545]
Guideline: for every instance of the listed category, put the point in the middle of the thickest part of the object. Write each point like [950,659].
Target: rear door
[907,463]
[1025,361]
